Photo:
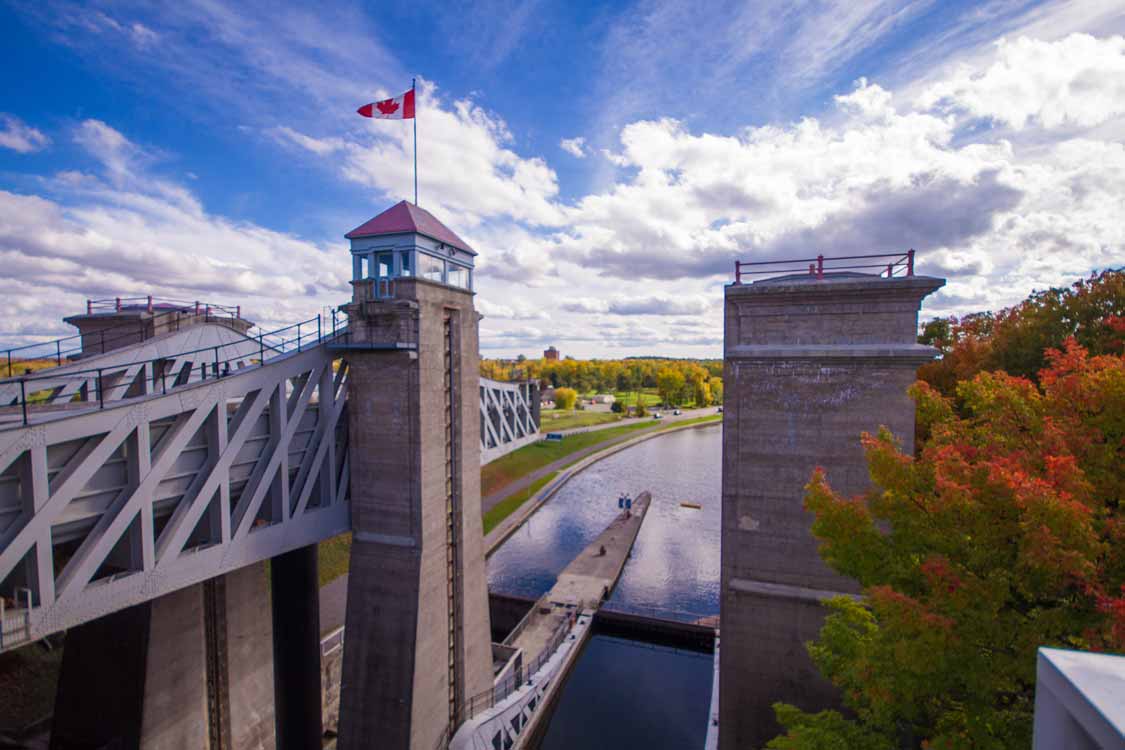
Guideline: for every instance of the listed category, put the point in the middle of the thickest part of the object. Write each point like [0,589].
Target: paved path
[333,604]
[488,502]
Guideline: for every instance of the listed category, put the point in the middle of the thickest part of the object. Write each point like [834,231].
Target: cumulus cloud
[20,137]
[126,232]
[466,170]
[653,305]
[576,147]
[1006,176]
[1078,81]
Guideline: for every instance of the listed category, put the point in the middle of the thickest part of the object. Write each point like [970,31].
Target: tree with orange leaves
[1015,340]
[1005,533]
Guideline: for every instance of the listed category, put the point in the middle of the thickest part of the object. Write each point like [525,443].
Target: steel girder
[507,421]
[151,366]
[109,508]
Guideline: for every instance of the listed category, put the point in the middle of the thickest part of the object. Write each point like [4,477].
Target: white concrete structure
[1079,701]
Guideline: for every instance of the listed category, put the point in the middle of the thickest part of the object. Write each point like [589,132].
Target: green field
[520,463]
[332,557]
[553,420]
[333,553]
[648,396]
[508,505]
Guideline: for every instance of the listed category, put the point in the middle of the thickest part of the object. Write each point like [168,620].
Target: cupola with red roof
[406,240]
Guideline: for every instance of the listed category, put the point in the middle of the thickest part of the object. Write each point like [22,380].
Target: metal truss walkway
[107,504]
[134,473]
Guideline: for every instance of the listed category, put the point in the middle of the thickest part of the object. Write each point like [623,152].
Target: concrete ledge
[784,591]
[915,352]
[508,526]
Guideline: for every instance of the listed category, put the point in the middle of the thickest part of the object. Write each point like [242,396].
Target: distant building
[547,394]
[604,398]
[551,354]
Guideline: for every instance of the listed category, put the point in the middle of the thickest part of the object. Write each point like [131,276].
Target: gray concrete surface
[585,582]
[809,365]
[413,642]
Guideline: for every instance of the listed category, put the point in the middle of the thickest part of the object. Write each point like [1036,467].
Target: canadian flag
[397,108]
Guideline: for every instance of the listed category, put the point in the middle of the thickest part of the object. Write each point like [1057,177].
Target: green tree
[670,385]
[716,390]
[1005,533]
[565,398]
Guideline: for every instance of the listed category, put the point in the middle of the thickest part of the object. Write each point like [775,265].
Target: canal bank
[495,538]
[632,684]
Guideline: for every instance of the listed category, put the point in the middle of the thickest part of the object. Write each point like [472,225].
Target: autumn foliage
[1005,533]
[1016,339]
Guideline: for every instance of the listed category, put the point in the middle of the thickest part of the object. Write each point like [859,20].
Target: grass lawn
[508,505]
[20,365]
[333,553]
[553,420]
[332,557]
[524,461]
[648,396]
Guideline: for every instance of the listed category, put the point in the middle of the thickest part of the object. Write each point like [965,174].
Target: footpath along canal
[625,692]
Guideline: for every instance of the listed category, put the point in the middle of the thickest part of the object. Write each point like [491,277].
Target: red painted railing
[890,265]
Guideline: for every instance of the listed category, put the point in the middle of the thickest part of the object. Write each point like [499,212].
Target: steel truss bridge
[130,474]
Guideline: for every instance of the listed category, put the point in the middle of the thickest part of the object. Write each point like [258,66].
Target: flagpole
[413,86]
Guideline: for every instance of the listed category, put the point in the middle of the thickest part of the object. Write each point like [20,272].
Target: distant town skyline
[608,164]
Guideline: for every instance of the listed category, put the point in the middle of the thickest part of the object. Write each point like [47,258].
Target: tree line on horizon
[676,381]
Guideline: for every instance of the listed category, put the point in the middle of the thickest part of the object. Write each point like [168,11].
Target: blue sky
[608,161]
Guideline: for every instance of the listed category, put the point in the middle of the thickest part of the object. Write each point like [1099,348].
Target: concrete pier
[417,633]
[547,642]
[192,669]
[296,649]
[810,364]
[585,582]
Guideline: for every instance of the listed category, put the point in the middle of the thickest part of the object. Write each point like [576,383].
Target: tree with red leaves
[1015,340]
[1005,533]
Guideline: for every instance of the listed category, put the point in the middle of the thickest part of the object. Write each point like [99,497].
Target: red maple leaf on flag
[387,106]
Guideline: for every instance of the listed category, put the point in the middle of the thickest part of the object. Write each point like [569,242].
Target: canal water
[626,693]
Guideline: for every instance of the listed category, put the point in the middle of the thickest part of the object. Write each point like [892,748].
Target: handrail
[219,367]
[900,262]
[196,308]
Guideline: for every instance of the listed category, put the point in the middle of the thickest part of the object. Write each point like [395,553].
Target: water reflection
[674,567]
[625,694]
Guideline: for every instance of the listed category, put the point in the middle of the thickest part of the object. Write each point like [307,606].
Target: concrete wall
[190,670]
[809,365]
[396,675]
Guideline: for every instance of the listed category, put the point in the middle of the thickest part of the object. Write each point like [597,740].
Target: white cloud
[135,234]
[489,180]
[576,147]
[20,137]
[1078,81]
[1003,182]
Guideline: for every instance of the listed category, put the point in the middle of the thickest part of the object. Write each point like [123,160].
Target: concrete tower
[810,363]
[417,638]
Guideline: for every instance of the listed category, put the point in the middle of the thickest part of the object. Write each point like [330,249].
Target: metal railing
[67,347]
[150,304]
[15,625]
[518,678]
[892,264]
[98,381]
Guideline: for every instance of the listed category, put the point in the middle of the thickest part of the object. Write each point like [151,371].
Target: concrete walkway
[488,502]
[585,582]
